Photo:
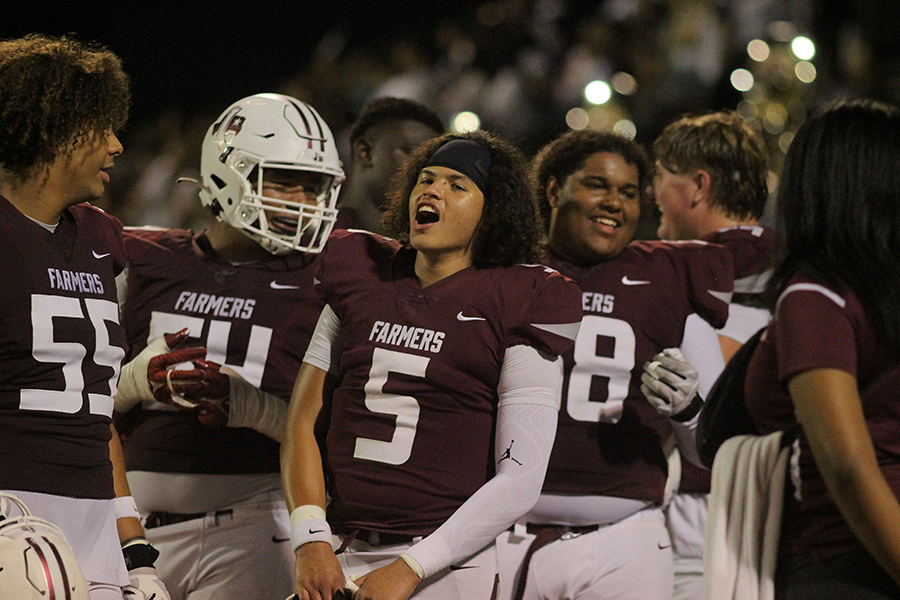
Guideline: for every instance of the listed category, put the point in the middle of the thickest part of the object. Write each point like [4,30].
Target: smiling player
[598,530]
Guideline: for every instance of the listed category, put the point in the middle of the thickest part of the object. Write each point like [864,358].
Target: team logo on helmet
[235,124]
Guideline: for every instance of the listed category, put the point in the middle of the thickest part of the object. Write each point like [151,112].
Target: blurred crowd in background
[531,69]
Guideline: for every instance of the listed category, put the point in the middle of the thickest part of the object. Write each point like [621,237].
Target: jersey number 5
[405,408]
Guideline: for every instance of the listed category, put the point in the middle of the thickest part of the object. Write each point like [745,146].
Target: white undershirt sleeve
[529,391]
[702,349]
[324,346]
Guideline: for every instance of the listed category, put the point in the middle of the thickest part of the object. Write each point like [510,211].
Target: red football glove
[163,378]
[204,388]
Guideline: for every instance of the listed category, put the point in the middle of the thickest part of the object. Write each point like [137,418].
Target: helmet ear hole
[218,181]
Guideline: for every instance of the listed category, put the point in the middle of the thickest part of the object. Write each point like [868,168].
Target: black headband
[469,158]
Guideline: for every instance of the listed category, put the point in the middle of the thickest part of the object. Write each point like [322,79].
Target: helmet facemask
[282,225]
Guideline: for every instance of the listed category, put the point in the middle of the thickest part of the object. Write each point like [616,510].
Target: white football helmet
[271,131]
[36,562]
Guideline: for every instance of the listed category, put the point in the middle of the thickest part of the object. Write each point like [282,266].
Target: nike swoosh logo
[663,546]
[460,567]
[311,532]
[277,286]
[94,252]
[626,281]
[462,317]
[278,540]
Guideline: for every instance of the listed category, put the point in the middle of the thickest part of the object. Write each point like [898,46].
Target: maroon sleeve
[550,310]
[813,331]
[708,273]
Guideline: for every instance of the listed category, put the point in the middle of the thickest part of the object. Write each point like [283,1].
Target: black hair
[838,208]
[510,230]
[54,91]
[568,153]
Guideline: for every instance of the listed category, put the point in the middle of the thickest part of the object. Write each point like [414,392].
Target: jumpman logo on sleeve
[508,454]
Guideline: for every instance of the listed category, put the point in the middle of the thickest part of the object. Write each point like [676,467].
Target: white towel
[745,506]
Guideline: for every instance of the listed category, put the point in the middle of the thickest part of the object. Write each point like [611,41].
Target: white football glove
[145,582]
[145,585]
[670,384]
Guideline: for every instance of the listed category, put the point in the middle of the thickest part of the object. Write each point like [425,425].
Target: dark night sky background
[200,54]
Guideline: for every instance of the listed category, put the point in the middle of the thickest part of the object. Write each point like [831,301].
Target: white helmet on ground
[36,562]
[265,132]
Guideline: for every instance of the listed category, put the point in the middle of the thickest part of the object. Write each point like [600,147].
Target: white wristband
[125,508]
[310,530]
[308,524]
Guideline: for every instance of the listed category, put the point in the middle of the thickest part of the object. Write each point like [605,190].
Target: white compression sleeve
[526,428]
[251,407]
[323,348]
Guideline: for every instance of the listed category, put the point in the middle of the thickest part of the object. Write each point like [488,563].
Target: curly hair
[838,208]
[510,230]
[387,108]
[726,146]
[54,91]
[568,153]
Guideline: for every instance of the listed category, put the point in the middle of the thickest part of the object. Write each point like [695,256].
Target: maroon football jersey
[752,248]
[412,423]
[815,327]
[256,318]
[61,353]
[609,438]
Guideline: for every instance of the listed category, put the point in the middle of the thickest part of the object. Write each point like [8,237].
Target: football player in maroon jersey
[828,360]
[211,496]
[710,184]
[598,530]
[443,350]
[62,345]
[385,133]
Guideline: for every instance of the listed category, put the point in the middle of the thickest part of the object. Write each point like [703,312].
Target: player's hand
[205,388]
[211,393]
[168,383]
[134,380]
[145,585]
[395,581]
[317,572]
[670,384]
